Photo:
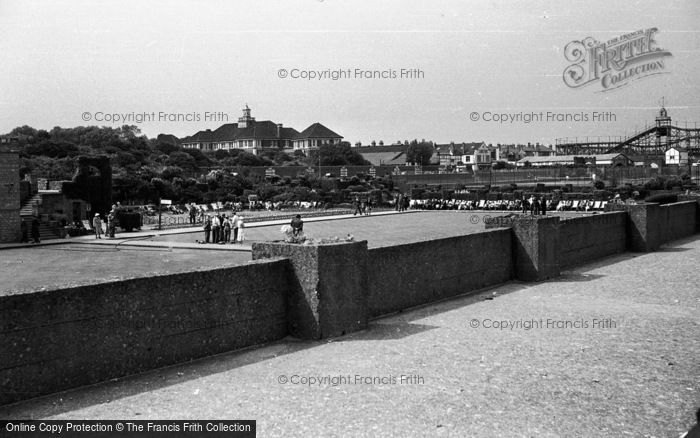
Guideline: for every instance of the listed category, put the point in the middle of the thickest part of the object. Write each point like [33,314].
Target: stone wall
[418,273]
[10,222]
[59,339]
[586,238]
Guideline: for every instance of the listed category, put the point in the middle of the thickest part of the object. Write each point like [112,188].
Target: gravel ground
[625,365]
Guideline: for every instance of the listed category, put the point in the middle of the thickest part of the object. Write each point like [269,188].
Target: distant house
[616,159]
[510,152]
[676,155]
[477,154]
[394,155]
[254,136]
[537,150]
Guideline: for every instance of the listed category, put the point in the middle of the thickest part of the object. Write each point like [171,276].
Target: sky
[76,63]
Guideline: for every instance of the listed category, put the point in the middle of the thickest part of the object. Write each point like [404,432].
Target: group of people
[536,205]
[402,202]
[222,229]
[111,228]
[363,207]
[523,205]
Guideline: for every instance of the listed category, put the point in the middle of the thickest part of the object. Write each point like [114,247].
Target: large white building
[253,136]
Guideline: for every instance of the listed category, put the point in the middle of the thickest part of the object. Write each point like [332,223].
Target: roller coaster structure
[647,145]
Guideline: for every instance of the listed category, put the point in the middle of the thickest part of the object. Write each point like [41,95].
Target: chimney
[279,130]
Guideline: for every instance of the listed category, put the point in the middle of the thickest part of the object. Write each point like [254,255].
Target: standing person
[406,202]
[297,225]
[369,206]
[35,231]
[399,202]
[215,229]
[193,214]
[207,229]
[234,224]
[111,224]
[356,206]
[535,207]
[226,227]
[97,225]
[543,207]
[240,226]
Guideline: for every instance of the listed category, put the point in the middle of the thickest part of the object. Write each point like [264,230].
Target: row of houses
[255,136]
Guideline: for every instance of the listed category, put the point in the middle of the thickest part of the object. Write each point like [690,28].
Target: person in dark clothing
[535,208]
[35,230]
[543,207]
[297,225]
[193,214]
[356,206]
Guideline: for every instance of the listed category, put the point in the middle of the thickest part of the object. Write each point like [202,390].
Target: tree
[165,147]
[419,152]
[182,160]
[337,155]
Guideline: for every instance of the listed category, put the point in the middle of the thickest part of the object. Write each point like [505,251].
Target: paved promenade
[609,349]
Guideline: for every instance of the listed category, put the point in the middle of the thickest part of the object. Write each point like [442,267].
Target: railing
[183,221]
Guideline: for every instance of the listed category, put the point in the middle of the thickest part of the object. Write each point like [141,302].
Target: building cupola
[245,120]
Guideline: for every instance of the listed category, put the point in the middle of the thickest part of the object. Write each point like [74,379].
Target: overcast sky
[61,59]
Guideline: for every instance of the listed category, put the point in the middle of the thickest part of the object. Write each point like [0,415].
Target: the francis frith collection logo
[616,62]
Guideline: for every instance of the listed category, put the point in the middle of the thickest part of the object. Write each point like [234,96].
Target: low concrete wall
[59,339]
[677,220]
[586,238]
[417,273]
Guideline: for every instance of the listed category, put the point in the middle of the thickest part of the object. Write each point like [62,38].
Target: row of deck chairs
[581,205]
[504,205]
[216,206]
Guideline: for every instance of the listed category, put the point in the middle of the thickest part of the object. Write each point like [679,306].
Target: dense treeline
[147,169]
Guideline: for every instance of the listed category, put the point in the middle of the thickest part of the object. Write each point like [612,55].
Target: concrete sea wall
[58,339]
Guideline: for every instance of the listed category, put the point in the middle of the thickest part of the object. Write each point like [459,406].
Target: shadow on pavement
[104,392]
